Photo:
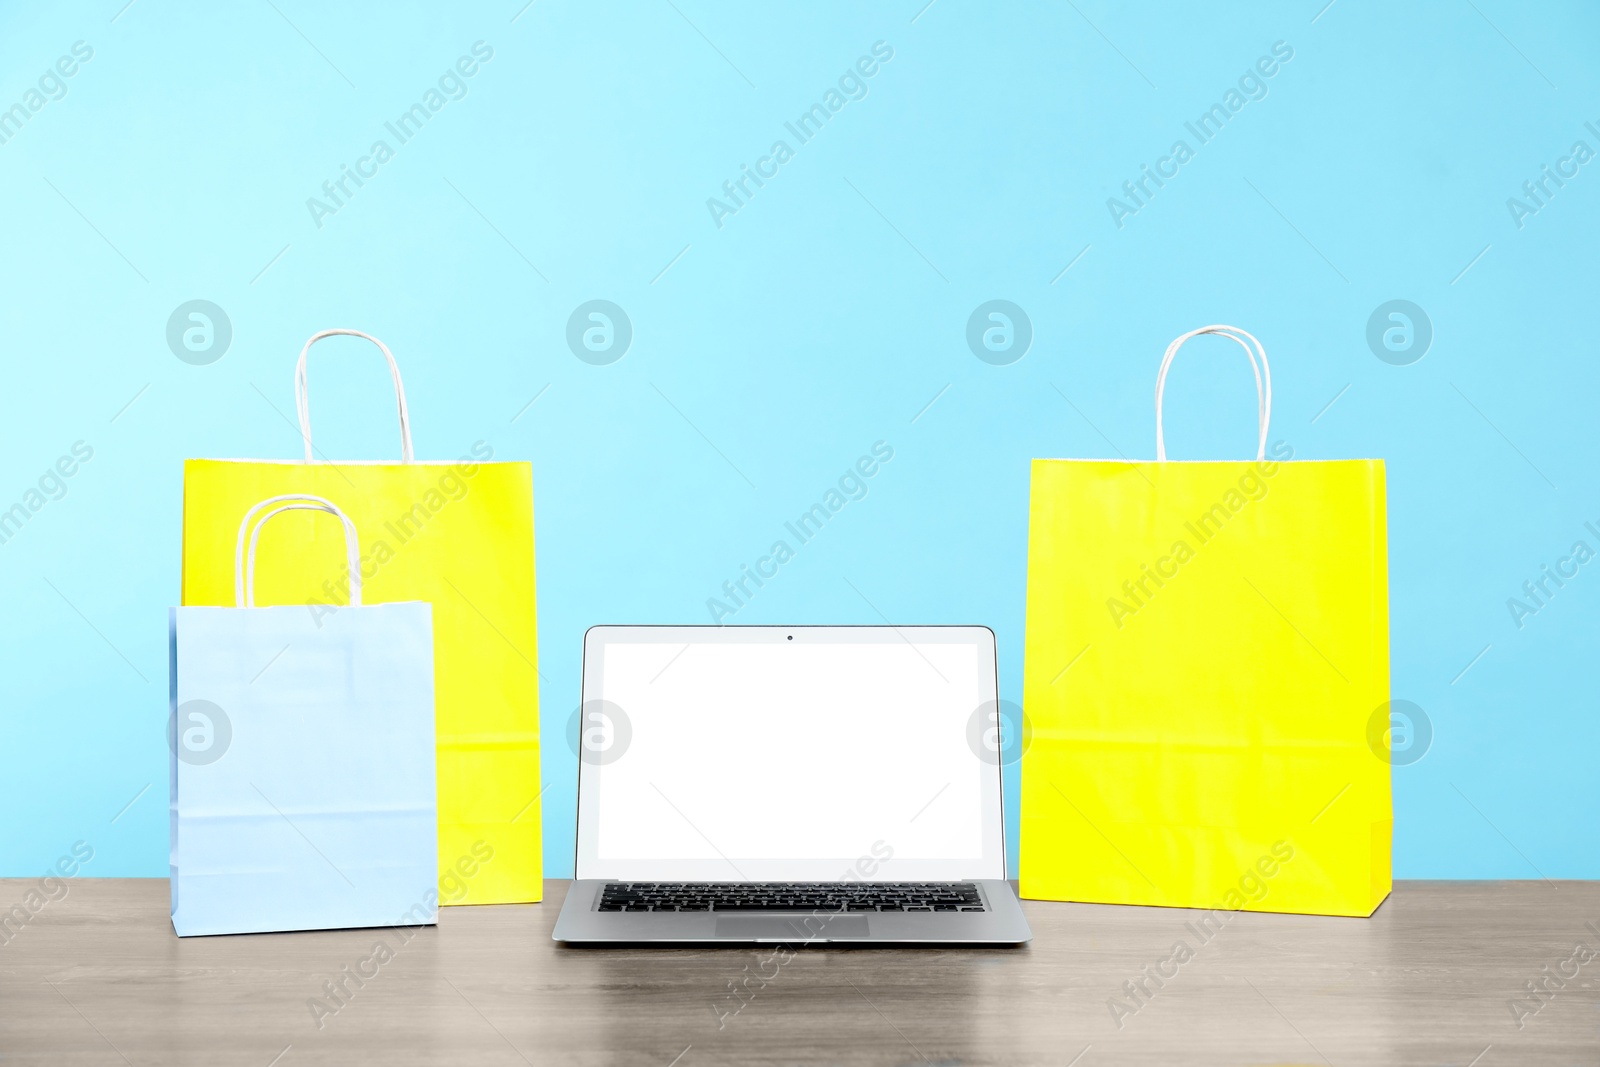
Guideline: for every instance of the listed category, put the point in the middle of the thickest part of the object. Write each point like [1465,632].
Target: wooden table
[97,977]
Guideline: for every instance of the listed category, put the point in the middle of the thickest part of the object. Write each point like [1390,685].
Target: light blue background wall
[824,316]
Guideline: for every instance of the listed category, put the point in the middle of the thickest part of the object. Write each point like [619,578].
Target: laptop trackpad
[794,928]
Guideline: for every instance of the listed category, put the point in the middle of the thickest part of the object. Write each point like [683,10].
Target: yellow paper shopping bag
[1207,644]
[458,534]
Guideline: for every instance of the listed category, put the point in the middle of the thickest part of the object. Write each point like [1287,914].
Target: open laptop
[790,784]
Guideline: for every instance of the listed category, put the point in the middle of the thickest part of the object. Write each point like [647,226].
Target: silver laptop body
[809,784]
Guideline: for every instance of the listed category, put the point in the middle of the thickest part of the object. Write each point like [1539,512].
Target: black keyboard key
[822,897]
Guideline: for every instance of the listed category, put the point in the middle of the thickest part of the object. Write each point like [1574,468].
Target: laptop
[799,785]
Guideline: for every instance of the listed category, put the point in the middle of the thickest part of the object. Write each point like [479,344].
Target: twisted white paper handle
[244,567]
[302,399]
[1263,375]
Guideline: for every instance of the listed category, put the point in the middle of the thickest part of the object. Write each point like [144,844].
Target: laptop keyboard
[791,896]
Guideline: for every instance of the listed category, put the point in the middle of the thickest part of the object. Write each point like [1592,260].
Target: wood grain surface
[98,977]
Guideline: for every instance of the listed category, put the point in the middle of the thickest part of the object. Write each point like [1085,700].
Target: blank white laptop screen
[805,754]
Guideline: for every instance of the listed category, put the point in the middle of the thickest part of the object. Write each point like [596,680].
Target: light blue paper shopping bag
[302,754]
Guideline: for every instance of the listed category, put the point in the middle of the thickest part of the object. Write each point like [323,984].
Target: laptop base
[1002,923]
